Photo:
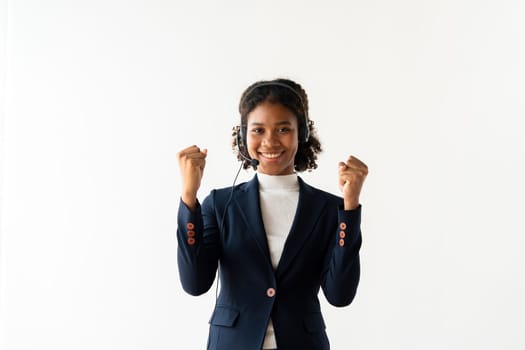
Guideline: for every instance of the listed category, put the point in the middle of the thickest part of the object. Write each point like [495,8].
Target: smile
[272,155]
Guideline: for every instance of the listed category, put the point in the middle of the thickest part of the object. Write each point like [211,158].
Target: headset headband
[284,85]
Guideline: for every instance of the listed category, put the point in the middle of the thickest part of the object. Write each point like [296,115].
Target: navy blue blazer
[322,250]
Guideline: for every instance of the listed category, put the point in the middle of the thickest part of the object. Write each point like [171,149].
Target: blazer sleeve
[342,267]
[198,246]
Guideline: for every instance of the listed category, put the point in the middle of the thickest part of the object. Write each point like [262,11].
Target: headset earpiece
[242,136]
[241,144]
[305,131]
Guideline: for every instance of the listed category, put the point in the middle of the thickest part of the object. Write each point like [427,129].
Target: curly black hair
[291,95]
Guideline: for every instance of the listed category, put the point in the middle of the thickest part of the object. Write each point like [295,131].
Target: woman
[276,239]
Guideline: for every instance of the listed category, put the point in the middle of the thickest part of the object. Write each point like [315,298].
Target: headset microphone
[253,162]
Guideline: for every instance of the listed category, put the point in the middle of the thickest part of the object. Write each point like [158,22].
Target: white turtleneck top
[279,196]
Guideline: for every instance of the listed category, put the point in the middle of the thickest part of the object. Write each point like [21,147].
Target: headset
[304,130]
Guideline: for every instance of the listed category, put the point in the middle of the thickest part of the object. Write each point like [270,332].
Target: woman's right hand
[191,164]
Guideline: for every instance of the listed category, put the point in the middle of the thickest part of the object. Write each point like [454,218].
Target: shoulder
[329,197]
[224,194]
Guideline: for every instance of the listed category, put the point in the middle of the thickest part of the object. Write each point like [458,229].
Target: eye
[257,131]
[284,130]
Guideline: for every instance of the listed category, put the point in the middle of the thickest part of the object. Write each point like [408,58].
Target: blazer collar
[247,202]
[308,210]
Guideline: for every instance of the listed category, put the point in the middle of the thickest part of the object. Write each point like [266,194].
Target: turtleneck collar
[278,182]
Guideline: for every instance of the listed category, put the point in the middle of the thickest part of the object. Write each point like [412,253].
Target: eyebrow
[284,122]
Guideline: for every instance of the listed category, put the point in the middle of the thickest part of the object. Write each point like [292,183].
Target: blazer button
[341,242]
[342,226]
[190,226]
[191,241]
[342,234]
[191,233]
[270,292]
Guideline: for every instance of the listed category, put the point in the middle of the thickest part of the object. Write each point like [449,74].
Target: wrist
[351,204]
[190,200]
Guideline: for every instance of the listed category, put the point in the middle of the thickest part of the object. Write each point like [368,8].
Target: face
[272,138]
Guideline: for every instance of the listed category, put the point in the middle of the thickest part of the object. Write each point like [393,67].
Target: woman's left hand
[352,175]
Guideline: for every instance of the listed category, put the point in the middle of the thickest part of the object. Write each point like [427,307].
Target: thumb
[342,165]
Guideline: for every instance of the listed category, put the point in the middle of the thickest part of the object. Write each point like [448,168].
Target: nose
[271,138]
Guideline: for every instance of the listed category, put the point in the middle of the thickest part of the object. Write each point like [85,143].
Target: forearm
[198,250]
[342,266]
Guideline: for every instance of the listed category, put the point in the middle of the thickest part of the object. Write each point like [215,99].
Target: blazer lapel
[248,205]
[308,209]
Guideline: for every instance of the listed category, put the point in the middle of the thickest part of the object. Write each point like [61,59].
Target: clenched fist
[192,161]
[352,175]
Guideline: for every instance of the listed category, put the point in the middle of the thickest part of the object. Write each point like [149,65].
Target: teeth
[271,155]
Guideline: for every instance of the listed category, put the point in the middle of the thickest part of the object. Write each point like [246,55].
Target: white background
[98,96]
